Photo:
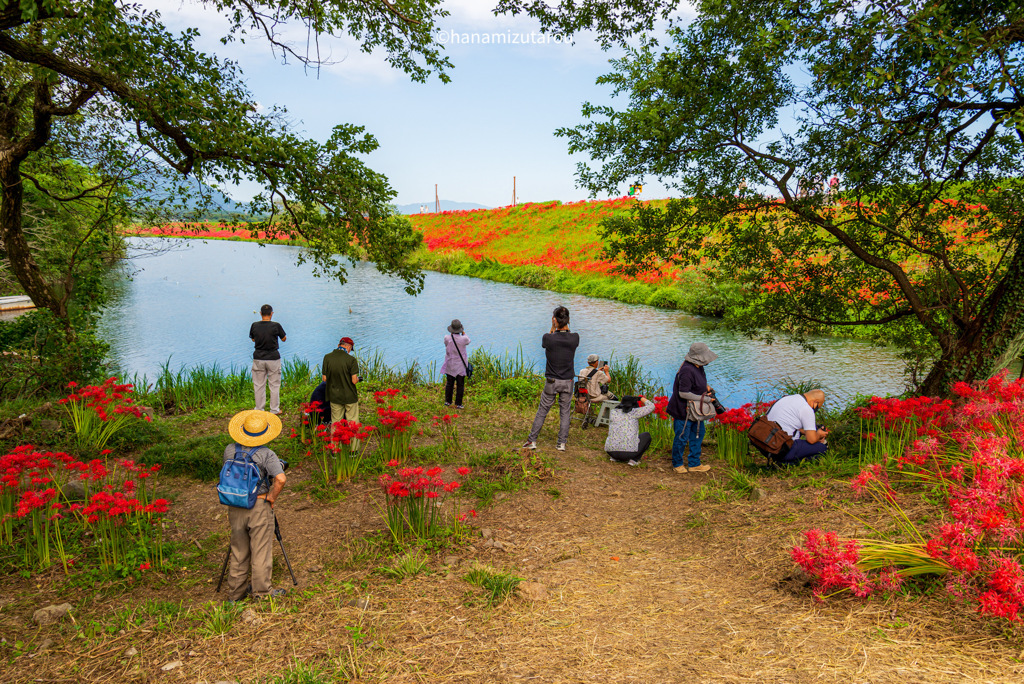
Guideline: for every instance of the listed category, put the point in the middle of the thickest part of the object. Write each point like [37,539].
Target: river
[193,303]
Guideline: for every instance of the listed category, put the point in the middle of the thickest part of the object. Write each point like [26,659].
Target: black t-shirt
[560,349]
[265,334]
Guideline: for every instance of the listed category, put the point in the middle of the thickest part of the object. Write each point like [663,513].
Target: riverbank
[591,570]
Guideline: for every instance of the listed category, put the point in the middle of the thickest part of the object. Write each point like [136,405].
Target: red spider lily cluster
[739,419]
[394,435]
[731,432]
[117,511]
[833,563]
[386,396]
[414,498]
[310,418]
[340,448]
[661,408]
[98,412]
[449,431]
[971,451]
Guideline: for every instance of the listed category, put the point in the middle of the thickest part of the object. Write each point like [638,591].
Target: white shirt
[793,414]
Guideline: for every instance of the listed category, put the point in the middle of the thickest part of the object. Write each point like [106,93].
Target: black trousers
[624,456]
[459,383]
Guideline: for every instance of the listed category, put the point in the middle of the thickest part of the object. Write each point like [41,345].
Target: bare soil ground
[638,582]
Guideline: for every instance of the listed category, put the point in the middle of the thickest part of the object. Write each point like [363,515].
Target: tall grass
[490,366]
[190,388]
[299,372]
[373,367]
[630,378]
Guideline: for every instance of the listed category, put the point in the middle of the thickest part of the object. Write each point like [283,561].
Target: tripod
[277,533]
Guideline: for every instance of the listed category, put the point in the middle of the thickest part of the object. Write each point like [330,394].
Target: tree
[854,164]
[104,84]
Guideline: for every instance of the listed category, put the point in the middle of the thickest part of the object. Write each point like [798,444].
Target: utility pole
[437,201]
[513,191]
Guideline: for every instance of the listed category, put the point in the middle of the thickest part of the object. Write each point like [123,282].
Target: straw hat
[253,428]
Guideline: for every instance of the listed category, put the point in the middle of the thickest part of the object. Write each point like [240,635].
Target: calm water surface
[194,303]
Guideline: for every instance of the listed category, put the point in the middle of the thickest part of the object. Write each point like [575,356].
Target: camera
[603,364]
[719,409]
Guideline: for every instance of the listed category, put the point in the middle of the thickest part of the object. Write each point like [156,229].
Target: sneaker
[274,593]
[700,469]
[459,406]
[681,469]
[447,403]
[634,463]
[560,447]
[277,413]
[530,445]
[612,459]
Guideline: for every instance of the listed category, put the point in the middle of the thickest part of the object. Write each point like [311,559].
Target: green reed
[488,365]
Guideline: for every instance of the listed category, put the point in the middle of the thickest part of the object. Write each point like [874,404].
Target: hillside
[557,246]
[532,234]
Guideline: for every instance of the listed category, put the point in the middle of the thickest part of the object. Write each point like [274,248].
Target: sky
[494,121]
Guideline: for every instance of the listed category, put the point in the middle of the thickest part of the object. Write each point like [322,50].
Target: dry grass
[644,584]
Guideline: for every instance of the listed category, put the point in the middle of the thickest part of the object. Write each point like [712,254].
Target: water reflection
[194,304]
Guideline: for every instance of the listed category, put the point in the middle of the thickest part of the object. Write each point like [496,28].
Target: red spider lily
[32,509]
[969,455]
[414,498]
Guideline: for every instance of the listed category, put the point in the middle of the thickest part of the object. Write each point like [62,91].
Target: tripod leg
[277,533]
[224,569]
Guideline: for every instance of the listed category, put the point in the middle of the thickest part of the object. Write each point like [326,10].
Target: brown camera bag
[768,436]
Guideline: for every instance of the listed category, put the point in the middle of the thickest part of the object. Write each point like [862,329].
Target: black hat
[456,326]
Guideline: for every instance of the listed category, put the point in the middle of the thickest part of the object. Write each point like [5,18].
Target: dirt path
[640,581]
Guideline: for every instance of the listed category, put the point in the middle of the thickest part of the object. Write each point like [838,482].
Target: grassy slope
[557,247]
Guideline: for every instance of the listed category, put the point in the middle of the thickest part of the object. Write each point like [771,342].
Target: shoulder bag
[467,366]
[702,409]
[768,436]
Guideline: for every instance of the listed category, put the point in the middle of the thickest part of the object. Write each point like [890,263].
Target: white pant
[262,372]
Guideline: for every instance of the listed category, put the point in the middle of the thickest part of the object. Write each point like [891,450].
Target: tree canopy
[855,164]
[105,84]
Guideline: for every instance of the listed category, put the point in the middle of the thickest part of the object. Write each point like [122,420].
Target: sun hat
[346,340]
[254,427]
[700,355]
[593,358]
[456,326]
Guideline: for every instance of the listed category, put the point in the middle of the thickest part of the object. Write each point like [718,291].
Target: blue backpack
[240,479]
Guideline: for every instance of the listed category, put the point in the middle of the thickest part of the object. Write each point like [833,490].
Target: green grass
[408,565]
[497,586]
[218,618]
[304,673]
[198,457]
[506,366]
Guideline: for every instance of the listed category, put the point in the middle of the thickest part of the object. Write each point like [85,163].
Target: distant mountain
[164,194]
[446,205]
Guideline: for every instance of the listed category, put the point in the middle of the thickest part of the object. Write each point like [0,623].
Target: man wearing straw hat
[252,530]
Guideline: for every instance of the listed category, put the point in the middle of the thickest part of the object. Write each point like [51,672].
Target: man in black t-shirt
[559,373]
[266,360]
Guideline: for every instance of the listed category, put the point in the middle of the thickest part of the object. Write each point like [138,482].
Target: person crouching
[625,443]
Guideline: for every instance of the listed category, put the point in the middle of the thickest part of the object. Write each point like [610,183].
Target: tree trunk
[23,265]
[998,324]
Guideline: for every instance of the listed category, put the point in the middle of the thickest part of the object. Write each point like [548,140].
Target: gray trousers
[252,546]
[563,389]
[262,372]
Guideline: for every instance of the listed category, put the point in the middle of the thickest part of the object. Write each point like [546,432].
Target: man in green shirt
[341,373]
